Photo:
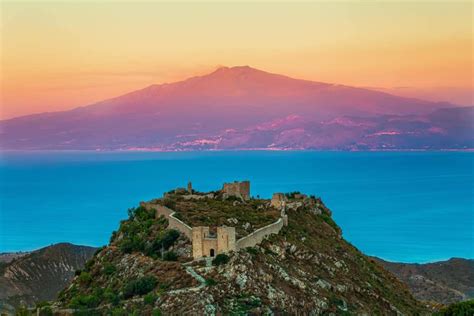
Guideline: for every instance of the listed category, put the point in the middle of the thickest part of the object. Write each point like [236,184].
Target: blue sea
[400,206]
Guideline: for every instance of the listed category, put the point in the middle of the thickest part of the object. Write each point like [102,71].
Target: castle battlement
[206,244]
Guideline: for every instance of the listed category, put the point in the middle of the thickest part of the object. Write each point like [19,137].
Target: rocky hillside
[443,282]
[41,274]
[307,268]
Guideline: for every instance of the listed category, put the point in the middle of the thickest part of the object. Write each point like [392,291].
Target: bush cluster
[221,258]
[85,278]
[109,268]
[170,256]
[139,286]
[85,301]
[137,230]
[465,308]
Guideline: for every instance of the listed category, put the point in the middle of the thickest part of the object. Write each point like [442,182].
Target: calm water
[412,207]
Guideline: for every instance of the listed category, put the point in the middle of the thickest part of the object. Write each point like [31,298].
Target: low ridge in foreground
[224,252]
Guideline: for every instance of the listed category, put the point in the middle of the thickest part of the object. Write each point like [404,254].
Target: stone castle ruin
[278,200]
[206,243]
[237,189]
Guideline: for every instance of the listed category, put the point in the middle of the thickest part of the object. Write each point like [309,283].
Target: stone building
[207,245]
[237,189]
[278,200]
[190,188]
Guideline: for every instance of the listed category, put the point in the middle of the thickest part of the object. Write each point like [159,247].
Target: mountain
[305,267]
[443,282]
[39,275]
[202,109]
[450,128]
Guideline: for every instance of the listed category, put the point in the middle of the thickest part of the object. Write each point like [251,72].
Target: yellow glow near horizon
[62,55]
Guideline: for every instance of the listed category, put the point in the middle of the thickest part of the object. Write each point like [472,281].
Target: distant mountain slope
[450,128]
[162,116]
[444,281]
[40,274]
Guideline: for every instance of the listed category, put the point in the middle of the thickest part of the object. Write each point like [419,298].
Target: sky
[60,55]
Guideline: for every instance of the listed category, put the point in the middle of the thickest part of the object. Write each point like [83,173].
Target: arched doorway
[212,253]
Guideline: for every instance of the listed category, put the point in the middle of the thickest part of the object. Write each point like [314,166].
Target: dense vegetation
[458,309]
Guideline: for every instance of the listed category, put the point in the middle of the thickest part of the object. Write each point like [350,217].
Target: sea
[399,206]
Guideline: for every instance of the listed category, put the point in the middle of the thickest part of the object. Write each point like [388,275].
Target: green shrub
[41,304]
[22,311]
[221,258]
[141,213]
[252,250]
[139,286]
[46,311]
[465,308]
[156,312]
[109,268]
[211,282]
[84,301]
[164,242]
[85,278]
[111,297]
[129,245]
[150,299]
[170,256]
[89,264]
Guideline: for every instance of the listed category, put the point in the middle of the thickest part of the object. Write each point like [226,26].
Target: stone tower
[190,187]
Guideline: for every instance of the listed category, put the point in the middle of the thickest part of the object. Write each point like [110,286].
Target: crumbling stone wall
[260,234]
[173,222]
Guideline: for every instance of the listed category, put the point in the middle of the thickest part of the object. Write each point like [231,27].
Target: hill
[304,266]
[445,282]
[41,274]
[241,108]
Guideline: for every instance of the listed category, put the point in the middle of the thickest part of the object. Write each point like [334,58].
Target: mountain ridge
[40,274]
[164,115]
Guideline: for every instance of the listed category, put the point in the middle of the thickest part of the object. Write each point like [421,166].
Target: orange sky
[65,54]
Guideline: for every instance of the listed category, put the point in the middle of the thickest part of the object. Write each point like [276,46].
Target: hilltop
[246,108]
[153,265]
